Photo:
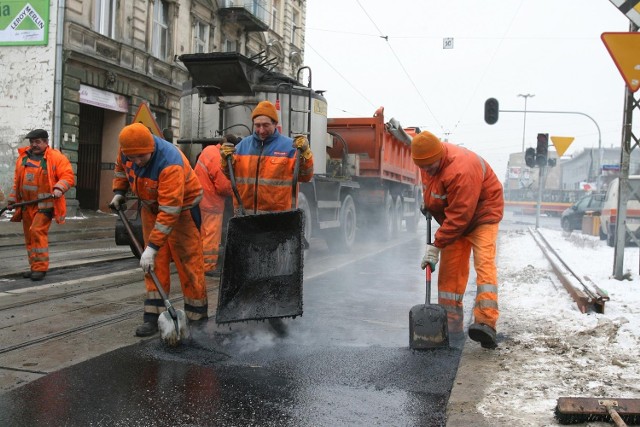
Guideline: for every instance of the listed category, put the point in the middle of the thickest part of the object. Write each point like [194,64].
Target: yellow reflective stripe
[275,182]
[450,295]
[40,250]
[488,288]
[162,228]
[171,210]
[487,303]
[30,187]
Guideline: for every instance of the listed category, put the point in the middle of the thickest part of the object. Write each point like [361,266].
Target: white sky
[502,48]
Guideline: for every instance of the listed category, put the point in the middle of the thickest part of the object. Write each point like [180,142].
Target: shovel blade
[428,327]
[263,268]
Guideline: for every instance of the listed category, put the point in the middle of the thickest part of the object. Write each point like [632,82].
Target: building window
[160,39]
[200,37]
[274,16]
[229,45]
[296,25]
[105,17]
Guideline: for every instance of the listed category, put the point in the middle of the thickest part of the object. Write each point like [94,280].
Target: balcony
[252,15]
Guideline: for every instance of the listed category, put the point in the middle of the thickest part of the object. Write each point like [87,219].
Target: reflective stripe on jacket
[464,193]
[59,175]
[264,172]
[165,186]
[215,184]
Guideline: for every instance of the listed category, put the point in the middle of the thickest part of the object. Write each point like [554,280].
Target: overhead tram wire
[386,38]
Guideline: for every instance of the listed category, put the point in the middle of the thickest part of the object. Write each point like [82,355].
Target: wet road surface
[346,361]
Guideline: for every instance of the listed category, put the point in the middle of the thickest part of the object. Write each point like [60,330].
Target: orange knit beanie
[265,108]
[136,139]
[426,148]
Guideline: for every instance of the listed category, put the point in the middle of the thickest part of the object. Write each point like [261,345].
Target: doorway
[89,154]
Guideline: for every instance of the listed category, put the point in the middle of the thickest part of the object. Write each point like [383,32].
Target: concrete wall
[26,96]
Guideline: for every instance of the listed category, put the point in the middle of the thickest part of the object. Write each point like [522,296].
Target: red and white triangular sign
[145,116]
[624,48]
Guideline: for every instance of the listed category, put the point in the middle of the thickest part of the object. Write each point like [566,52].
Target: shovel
[262,271]
[428,323]
[171,323]
[30,202]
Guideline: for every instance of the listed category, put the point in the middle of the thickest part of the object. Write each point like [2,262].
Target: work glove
[148,259]
[302,143]
[431,257]
[226,151]
[117,202]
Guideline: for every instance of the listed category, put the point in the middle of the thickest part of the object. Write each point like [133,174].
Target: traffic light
[530,157]
[542,149]
[491,110]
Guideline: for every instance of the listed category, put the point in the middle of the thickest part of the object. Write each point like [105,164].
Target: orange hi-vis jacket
[264,172]
[463,194]
[59,174]
[215,184]
[166,186]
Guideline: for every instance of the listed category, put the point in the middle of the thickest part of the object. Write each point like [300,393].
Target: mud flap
[263,267]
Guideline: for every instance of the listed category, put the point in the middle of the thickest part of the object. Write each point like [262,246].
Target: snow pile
[548,348]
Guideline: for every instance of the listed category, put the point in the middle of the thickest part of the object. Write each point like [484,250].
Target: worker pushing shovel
[256,284]
[160,176]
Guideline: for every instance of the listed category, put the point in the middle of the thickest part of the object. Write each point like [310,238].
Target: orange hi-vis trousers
[184,247]
[211,230]
[453,274]
[36,236]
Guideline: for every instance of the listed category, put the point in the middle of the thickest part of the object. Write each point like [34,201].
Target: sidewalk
[86,225]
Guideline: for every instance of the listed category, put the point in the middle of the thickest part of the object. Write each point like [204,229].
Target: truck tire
[412,222]
[343,237]
[386,224]
[398,213]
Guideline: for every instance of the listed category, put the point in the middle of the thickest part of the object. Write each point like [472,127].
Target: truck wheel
[343,237]
[398,214]
[412,222]
[387,220]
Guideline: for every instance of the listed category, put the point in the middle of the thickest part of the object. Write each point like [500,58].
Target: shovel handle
[294,188]
[428,268]
[138,246]
[234,187]
[28,202]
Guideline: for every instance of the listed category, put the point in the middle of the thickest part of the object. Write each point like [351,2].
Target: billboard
[24,23]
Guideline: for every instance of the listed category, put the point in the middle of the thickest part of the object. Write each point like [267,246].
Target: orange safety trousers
[184,247]
[36,236]
[211,230]
[453,274]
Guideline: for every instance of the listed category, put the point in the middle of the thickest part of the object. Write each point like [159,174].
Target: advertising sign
[24,23]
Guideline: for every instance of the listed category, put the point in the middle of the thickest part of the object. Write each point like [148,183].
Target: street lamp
[524,125]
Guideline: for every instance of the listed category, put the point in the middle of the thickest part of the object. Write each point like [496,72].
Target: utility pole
[524,125]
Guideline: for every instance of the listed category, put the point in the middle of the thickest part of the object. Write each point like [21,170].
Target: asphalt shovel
[262,270]
[428,322]
[30,202]
[173,322]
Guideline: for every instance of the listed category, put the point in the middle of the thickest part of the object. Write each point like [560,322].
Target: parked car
[571,218]
[609,215]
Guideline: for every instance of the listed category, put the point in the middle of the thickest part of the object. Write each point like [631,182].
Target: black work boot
[37,275]
[147,329]
[483,334]
[26,274]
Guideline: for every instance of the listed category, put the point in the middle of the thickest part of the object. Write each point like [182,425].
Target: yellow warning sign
[624,48]
[561,143]
[144,116]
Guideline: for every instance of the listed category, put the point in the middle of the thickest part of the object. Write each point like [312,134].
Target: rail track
[586,294]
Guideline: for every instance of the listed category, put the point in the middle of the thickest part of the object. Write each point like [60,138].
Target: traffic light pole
[541,182]
[600,154]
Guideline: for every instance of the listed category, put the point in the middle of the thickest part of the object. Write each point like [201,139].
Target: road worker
[217,188]
[264,161]
[465,197]
[42,173]
[160,176]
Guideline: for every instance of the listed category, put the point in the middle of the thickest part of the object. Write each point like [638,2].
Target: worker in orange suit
[263,163]
[217,188]
[465,197]
[160,176]
[41,173]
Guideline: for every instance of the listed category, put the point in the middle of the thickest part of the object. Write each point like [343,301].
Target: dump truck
[364,177]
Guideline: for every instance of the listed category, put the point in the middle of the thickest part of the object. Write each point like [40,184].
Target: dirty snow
[548,348]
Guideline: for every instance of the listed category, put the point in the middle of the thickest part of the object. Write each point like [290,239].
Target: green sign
[24,23]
